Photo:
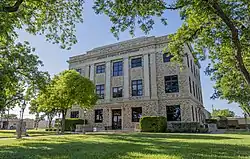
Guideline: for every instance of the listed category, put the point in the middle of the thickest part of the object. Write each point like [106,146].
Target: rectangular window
[187,60]
[194,68]
[173,113]
[167,57]
[191,62]
[136,87]
[98,115]
[196,89]
[79,70]
[193,112]
[74,114]
[117,92]
[171,84]
[190,85]
[100,69]
[196,112]
[100,91]
[193,88]
[136,62]
[118,68]
[136,114]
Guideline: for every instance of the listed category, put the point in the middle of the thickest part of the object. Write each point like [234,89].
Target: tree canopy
[20,74]
[222,113]
[65,90]
[217,29]
[55,19]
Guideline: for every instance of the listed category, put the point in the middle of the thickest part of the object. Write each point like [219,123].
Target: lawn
[32,133]
[128,146]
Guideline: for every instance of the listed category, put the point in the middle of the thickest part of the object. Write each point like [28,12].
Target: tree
[246,109]
[65,90]
[55,19]
[10,116]
[217,29]
[222,113]
[20,75]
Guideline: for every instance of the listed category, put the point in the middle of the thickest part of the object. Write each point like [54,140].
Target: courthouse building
[135,78]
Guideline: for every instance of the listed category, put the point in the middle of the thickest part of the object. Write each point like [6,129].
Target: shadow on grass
[120,146]
[12,133]
[170,135]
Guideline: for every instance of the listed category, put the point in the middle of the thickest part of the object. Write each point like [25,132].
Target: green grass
[32,133]
[128,146]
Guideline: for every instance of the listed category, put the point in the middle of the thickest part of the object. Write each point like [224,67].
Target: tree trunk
[63,120]
[7,125]
[50,121]
[37,121]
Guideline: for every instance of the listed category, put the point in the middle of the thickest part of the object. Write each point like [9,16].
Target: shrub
[153,124]
[70,123]
[211,121]
[222,123]
[186,127]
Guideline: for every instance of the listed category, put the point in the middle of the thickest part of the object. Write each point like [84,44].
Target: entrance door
[116,119]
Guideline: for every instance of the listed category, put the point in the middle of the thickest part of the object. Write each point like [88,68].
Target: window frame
[117,68]
[190,85]
[167,58]
[168,107]
[136,115]
[187,60]
[100,113]
[170,84]
[136,62]
[137,84]
[118,93]
[100,91]
[100,69]
[194,89]
[77,115]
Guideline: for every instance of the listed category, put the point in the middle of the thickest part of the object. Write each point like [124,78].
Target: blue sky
[95,32]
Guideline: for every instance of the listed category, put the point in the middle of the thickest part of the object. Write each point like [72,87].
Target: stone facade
[152,70]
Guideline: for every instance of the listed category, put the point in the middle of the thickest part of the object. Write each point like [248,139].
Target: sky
[95,32]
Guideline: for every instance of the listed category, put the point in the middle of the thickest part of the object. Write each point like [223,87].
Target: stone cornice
[138,44]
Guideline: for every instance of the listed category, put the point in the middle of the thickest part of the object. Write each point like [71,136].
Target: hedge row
[153,124]
[70,123]
[187,127]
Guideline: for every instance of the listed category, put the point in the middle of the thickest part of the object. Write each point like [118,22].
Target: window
[137,62]
[167,57]
[196,88]
[79,70]
[194,68]
[193,88]
[137,88]
[191,62]
[193,112]
[187,60]
[100,69]
[173,113]
[199,96]
[190,85]
[117,92]
[100,91]
[136,114]
[171,84]
[98,115]
[74,114]
[117,68]
[196,112]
